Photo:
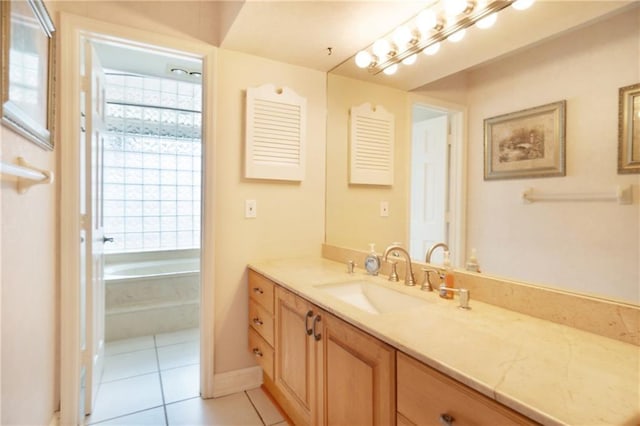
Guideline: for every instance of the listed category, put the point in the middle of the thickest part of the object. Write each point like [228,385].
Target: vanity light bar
[442,32]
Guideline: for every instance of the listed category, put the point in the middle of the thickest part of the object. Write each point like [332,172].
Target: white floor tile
[127,396]
[232,410]
[188,335]
[153,417]
[179,355]
[129,345]
[181,383]
[129,364]
[267,411]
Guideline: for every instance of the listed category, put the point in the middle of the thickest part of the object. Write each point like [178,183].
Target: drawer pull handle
[258,290]
[316,320]
[257,352]
[446,420]
[308,329]
[257,321]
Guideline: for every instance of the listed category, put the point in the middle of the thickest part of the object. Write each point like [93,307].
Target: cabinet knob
[258,290]
[257,321]
[307,329]
[446,420]
[257,352]
[316,320]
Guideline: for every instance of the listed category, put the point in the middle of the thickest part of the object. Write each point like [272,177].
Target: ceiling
[300,32]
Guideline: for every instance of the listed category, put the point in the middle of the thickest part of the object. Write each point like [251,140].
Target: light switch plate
[384,208]
[250,209]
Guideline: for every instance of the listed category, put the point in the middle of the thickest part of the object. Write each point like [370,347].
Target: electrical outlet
[384,208]
[250,209]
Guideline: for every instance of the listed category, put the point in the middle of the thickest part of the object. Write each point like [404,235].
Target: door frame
[457,194]
[72,29]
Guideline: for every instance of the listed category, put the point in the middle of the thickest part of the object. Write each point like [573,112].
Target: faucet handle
[393,276]
[426,280]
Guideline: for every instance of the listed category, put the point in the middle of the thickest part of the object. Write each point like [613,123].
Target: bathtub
[151,292]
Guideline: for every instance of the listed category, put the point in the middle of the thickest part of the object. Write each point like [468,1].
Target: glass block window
[152,163]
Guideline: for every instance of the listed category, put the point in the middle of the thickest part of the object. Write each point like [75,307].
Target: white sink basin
[370,297]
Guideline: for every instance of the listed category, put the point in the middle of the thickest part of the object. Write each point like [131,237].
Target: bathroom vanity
[339,348]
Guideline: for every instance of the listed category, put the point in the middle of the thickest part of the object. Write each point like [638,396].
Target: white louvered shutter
[275,134]
[372,136]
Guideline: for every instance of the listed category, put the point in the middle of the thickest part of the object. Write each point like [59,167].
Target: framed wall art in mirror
[526,144]
[27,71]
[629,129]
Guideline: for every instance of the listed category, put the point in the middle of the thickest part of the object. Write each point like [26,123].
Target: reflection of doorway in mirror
[429,182]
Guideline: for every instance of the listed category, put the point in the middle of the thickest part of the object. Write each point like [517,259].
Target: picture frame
[629,129]
[526,144]
[27,72]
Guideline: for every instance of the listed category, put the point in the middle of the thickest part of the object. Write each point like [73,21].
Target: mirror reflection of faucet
[427,257]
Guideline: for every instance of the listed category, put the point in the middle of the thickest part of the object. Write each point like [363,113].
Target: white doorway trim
[72,29]
[457,170]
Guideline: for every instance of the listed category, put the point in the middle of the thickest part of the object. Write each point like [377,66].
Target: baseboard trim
[55,420]
[236,381]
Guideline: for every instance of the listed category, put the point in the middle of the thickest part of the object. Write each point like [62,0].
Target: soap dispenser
[372,261]
[472,263]
[448,277]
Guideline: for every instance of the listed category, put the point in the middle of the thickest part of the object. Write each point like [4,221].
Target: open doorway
[437,181]
[149,178]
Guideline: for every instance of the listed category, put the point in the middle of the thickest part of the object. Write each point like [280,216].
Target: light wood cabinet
[325,371]
[294,356]
[261,322]
[426,395]
[356,376]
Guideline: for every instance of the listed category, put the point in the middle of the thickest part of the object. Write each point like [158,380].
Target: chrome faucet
[432,248]
[409,278]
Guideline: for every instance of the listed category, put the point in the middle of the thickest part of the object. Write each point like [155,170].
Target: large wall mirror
[581,245]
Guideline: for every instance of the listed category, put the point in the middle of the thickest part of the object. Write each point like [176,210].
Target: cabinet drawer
[261,290]
[261,321]
[425,394]
[262,351]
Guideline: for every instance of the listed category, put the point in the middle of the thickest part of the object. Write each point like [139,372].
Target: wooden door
[294,355]
[356,377]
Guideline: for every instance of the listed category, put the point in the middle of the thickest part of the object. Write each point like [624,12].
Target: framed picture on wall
[526,144]
[629,129]
[27,71]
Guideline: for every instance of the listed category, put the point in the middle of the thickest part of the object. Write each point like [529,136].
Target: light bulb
[522,4]
[487,21]
[433,49]
[410,60]
[454,7]
[390,70]
[381,48]
[363,59]
[426,21]
[457,36]
[402,36]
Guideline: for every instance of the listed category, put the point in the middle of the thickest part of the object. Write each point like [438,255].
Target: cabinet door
[356,376]
[294,355]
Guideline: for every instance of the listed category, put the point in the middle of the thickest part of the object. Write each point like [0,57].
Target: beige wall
[30,329]
[290,215]
[353,211]
[589,247]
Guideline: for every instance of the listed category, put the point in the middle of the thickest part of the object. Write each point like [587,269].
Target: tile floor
[154,380]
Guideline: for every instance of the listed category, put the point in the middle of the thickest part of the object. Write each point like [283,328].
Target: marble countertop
[551,373]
